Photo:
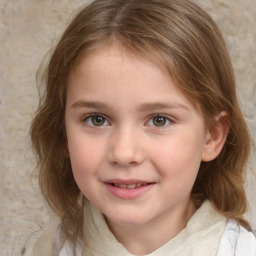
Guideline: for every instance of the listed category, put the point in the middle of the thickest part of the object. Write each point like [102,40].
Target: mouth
[129,186]
[129,189]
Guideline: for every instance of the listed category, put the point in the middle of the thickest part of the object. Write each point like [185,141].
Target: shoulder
[41,243]
[246,243]
[236,240]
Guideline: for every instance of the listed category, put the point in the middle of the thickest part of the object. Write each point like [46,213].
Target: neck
[148,237]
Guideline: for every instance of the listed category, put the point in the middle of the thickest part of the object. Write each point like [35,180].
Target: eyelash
[163,117]
[89,120]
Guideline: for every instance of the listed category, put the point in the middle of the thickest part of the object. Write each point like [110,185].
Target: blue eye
[96,120]
[159,121]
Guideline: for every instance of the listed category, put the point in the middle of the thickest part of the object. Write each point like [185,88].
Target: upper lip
[127,182]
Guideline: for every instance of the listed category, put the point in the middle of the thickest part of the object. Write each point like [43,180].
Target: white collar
[203,233]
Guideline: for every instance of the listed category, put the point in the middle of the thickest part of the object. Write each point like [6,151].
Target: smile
[128,190]
[129,186]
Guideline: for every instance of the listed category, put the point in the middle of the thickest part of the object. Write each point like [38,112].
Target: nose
[126,148]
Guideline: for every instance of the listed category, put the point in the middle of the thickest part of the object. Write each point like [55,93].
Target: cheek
[84,155]
[85,161]
[178,164]
[179,158]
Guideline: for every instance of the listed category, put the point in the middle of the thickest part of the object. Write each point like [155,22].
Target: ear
[216,137]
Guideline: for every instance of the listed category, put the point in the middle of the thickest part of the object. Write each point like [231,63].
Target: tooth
[131,186]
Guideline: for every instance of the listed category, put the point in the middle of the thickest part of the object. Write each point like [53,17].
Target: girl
[141,144]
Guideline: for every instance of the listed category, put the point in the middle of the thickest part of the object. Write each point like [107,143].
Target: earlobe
[216,137]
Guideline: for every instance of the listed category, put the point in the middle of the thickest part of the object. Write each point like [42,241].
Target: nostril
[125,152]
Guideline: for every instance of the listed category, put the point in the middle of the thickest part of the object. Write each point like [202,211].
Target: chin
[127,219]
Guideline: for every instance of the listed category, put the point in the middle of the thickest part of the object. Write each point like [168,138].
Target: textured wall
[28,28]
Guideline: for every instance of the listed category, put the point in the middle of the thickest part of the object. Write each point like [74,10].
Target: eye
[159,121]
[96,120]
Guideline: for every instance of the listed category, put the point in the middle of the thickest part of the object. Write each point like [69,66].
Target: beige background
[28,28]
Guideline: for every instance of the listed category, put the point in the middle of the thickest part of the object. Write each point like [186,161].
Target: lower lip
[128,193]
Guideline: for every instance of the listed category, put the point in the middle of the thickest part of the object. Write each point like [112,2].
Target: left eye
[96,120]
[159,121]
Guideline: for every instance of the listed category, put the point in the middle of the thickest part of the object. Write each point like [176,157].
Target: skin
[127,122]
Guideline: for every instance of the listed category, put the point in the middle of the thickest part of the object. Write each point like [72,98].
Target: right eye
[96,120]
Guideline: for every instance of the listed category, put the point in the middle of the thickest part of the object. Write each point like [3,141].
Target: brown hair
[181,38]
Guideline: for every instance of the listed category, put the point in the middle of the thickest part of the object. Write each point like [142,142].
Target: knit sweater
[202,235]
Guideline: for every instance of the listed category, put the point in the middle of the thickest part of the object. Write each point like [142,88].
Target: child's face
[135,141]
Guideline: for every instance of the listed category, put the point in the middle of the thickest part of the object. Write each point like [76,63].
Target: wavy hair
[182,39]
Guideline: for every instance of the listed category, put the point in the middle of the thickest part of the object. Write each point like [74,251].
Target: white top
[207,233]
[237,241]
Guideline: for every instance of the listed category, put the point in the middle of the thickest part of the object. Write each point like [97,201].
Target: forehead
[118,77]
[116,65]
[113,60]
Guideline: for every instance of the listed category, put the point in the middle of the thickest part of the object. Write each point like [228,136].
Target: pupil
[98,120]
[159,121]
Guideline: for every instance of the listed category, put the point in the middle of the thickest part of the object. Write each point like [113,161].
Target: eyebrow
[91,104]
[145,107]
